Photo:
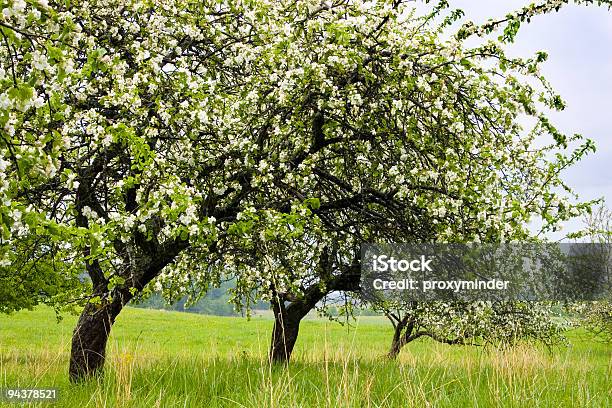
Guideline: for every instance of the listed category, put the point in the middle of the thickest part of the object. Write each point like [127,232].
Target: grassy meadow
[172,359]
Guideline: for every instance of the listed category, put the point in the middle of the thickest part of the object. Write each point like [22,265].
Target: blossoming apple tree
[414,138]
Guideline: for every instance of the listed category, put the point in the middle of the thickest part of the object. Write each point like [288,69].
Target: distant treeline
[216,302]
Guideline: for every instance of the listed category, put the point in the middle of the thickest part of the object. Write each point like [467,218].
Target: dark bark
[401,336]
[396,347]
[90,336]
[285,331]
[93,328]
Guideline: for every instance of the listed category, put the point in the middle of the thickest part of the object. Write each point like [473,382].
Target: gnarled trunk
[90,336]
[396,345]
[93,328]
[287,318]
[401,336]
[405,332]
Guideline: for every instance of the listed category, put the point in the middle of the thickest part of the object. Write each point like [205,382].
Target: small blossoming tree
[474,323]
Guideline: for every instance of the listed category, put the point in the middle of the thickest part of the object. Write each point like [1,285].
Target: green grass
[171,359]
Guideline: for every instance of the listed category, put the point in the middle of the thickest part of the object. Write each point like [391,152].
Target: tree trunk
[287,318]
[396,346]
[89,338]
[401,336]
[284,336]
[286,328]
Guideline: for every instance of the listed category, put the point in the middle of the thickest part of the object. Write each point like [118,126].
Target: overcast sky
[578,40]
